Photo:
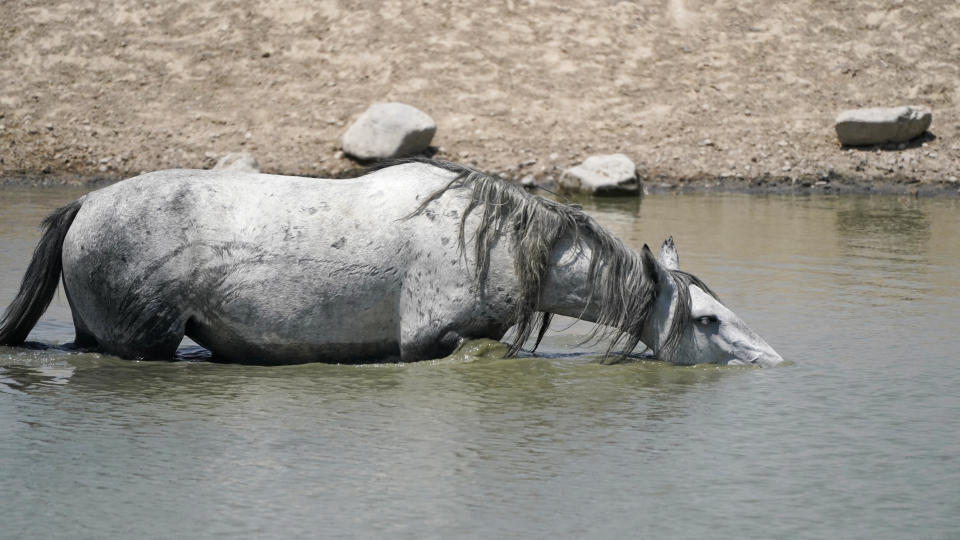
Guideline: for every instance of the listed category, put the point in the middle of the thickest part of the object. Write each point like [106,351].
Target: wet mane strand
[535,225]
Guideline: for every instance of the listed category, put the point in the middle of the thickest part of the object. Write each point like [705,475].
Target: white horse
[404,262]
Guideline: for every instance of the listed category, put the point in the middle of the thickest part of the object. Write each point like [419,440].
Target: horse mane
[535,224]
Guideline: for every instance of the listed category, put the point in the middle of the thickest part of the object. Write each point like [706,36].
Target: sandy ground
[709,95]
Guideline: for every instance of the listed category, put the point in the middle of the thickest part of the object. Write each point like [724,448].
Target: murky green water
[859,438]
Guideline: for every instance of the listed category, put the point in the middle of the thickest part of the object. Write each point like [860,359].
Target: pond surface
[858,438]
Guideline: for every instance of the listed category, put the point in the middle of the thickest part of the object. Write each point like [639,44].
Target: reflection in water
[884,246]
[20,378]
[880,228]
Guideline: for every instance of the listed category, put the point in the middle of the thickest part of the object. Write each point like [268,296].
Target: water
[859,438]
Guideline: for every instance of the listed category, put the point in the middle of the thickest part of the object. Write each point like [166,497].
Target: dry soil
[700,94]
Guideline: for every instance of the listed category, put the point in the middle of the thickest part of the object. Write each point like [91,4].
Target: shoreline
[718,97]
[764,184]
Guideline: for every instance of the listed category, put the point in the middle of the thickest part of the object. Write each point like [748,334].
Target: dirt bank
[702,95]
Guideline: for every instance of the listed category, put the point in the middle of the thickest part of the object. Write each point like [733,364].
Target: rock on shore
[860,127]
[613,174]
[238,161]
[389,130]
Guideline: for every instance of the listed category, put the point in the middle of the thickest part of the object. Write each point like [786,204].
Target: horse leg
[436,331]
[83,337]
[428,343]
[439,311]
[129,329]
[152,337]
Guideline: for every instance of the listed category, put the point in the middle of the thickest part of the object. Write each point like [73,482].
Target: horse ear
[652,270]
[668,255]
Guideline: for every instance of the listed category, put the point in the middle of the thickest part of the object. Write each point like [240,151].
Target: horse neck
[569,289]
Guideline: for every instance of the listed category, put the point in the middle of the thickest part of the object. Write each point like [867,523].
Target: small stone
[528,181]
[389,130]
[238,161]
[613,174]
[952,179]
[881,125]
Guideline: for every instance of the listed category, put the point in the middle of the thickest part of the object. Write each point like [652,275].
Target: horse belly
[321,312]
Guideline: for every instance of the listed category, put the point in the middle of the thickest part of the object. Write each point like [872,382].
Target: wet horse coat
[406,261]
[273,269]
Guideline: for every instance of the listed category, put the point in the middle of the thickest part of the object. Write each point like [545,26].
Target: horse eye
[707,319]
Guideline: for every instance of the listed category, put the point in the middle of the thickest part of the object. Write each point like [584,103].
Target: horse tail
[41,278]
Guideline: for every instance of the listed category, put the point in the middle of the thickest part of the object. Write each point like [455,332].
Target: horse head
[689,325]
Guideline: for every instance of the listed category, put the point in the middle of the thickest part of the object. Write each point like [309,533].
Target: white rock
[613,174]
[389,130]
[881,125]
[238,161]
